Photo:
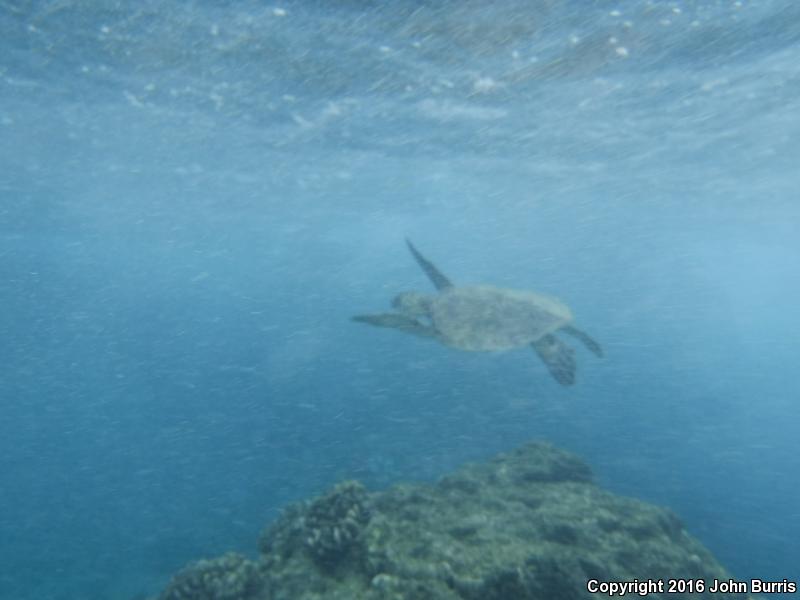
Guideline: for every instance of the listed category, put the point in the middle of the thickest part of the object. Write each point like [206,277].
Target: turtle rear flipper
[399,322]
[559,358]
[585,338]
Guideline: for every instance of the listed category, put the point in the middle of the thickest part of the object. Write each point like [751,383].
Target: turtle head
[412,304]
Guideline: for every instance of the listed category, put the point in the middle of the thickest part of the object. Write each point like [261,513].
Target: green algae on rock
[527,525]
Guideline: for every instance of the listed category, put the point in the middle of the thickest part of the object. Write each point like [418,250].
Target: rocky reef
[526,525]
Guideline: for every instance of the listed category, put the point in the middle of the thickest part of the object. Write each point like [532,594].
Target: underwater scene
[458,300]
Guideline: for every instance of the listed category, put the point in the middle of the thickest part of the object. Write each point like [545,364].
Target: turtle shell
[484,318]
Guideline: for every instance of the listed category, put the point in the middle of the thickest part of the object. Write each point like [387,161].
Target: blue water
[195,197]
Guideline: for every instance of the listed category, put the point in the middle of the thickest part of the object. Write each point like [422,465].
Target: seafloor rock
[527,525]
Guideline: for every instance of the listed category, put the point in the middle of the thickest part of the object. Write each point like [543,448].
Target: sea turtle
[485,318]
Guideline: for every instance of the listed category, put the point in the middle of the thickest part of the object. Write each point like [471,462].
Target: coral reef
[527,525]
[334,523]
[230,577]
[329,528]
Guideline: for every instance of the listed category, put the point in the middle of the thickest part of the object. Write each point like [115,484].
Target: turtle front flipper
[559,358]
[585,338]
[399,322]
[435,275]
